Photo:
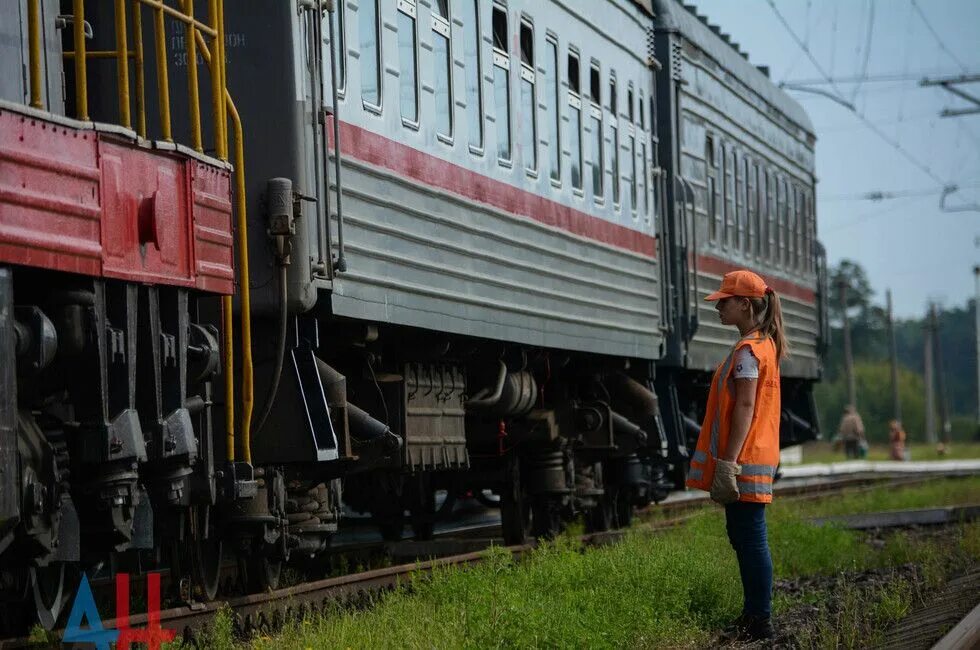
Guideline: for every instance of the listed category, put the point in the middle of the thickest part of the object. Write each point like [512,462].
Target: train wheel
[624,510]
[261,573]
[515,512]
[52,590]
[422,508]
[546,520]
[206,555]
[601,517]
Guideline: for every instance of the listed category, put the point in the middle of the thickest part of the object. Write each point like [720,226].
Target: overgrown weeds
[836,588]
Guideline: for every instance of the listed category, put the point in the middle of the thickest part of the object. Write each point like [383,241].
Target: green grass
[934,493]
[672,589]
[823,452]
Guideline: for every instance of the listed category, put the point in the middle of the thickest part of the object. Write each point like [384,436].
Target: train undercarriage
[111,422]
[113,452]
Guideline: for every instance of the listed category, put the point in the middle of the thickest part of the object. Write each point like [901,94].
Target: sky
[907,243]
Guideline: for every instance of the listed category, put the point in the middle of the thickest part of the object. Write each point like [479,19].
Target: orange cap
[740,283]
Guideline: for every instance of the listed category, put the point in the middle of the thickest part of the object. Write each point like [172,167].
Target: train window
[642,119]
[442,60]
[755,188]
[741,169]
[644,179]
[728,201]
[595,85]
[575,119]
[711,166]
[529,124]
[474,72]
[370,53]
[811,231]
[781,221]
[751,207]
[501,84]
[614,133]
[554,120]
[642,176]
[500,29]
[340,50]
[595,126]
[786,228]
[804,225]
[797,227]
[632,146]
[408,63]
[772,211]
[794,220]
[737,226]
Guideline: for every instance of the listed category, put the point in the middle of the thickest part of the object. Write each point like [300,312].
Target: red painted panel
[717,266]
[85,202]
[146,218]
[419,166]
[213,245]
[49,196]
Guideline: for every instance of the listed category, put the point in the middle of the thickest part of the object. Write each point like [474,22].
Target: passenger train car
[263,267]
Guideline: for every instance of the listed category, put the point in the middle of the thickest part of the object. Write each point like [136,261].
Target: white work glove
[724,488]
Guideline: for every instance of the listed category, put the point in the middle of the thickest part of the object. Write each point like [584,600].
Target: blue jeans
[746,526]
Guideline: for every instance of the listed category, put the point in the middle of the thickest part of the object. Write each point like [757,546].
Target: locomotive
[263,265]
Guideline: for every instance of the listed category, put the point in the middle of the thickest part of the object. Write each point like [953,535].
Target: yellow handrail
[163,82]
[138,75]
[242,228]
[122,63]
[81,74]
[222,107]
[190,46]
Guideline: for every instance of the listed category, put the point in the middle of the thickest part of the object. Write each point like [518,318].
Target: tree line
[870,348]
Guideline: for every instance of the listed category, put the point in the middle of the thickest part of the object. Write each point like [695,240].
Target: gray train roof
[671,15]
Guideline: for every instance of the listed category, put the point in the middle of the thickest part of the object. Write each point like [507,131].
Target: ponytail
[771,324]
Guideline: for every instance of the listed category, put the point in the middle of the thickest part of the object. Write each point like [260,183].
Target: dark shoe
[748,628]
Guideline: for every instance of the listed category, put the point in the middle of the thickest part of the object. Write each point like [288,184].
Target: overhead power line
[868,123]
[883,195]
[874,78]
[939,40]
[867,48]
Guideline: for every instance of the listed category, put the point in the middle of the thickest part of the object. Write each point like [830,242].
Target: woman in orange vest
[738,448]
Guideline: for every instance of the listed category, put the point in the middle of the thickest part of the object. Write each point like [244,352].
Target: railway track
[262,613]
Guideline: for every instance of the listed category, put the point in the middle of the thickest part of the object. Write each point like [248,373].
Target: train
[266,265]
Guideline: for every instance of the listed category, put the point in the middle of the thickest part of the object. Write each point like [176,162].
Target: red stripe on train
[717,266]
[432,171]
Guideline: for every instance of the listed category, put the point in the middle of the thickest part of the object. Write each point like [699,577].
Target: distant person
[896,440]
[738,448]
[851,432]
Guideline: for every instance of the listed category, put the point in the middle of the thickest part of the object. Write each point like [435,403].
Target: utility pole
[941,378]
[930,393]
[976,318]
[896,403]
[848,359]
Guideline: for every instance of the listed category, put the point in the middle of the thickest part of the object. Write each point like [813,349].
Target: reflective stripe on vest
[748,487]
[699,457]
[758,471]
[695,474]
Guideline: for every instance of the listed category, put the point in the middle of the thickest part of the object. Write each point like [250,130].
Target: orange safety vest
[760,453]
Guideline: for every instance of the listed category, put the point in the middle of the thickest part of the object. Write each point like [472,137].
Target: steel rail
[265,612]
